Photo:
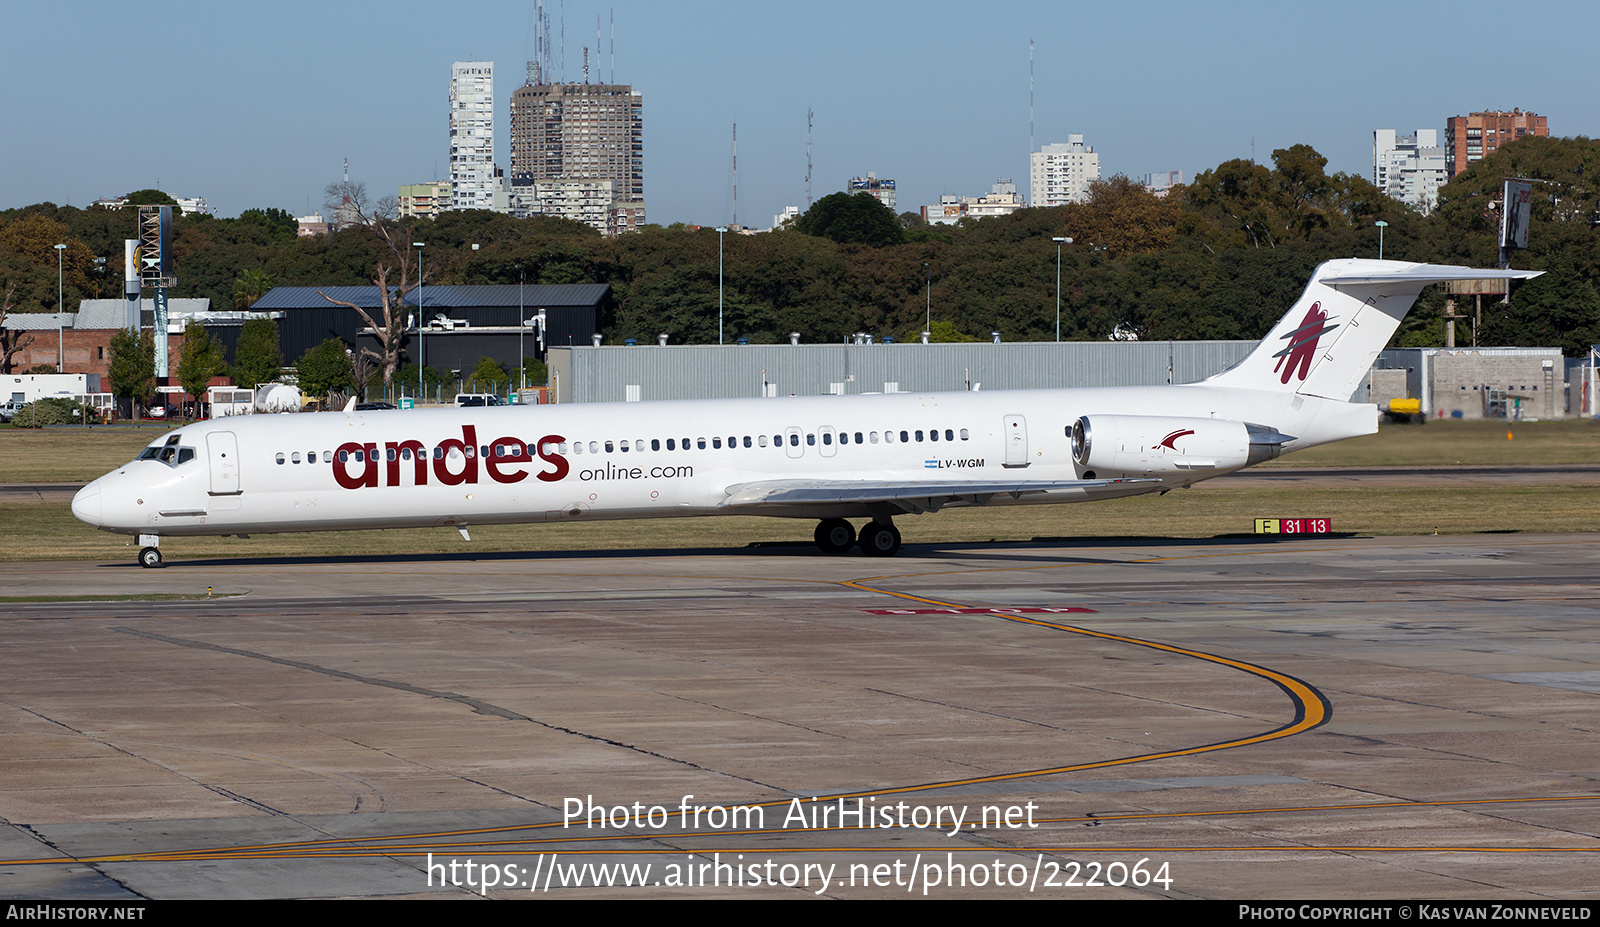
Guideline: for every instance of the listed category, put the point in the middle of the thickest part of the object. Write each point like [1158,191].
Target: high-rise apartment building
[1061,174]
[581,132]
[1409,168]
[472,135]
[1469,138]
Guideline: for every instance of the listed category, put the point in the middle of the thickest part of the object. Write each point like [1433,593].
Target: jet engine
[1151,444]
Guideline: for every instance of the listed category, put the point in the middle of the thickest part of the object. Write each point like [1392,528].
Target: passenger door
[1016,427]
[222,448]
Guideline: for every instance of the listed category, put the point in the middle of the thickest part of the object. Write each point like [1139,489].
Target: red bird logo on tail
[1303,344]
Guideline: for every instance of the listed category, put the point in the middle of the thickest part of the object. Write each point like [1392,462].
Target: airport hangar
[460,323]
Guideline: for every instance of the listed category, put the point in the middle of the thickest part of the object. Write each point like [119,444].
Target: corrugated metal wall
[604,374]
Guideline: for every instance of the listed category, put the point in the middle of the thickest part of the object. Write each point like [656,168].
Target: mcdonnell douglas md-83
[829,458]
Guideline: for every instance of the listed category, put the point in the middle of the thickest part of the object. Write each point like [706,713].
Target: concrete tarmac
[1343,718]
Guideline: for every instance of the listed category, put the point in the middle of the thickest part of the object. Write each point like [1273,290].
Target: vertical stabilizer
[1330,338]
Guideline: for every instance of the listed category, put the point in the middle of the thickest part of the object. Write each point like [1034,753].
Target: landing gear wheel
[879,540]
[835,536]
[150,557]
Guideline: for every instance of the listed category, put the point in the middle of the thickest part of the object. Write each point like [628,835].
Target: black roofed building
[460,324]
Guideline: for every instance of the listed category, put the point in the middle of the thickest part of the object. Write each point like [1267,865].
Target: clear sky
[254,104]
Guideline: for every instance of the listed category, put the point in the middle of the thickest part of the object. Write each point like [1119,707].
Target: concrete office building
[590,134]
[1061,174]
[472,135]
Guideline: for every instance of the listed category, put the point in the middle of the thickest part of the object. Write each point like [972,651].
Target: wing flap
[918,495]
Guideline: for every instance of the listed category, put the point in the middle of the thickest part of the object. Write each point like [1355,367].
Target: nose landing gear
[150,552]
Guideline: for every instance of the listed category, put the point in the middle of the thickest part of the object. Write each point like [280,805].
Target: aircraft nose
[86,505]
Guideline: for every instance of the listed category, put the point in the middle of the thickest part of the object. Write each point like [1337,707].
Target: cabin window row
[519,451]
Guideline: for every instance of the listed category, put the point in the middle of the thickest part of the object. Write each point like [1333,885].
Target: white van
[463,400]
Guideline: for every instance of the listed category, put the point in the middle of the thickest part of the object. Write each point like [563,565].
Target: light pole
[720,230]
[1381,226]
[927,299]
[61,308]
[422,316]
[1060,243]
[522,354]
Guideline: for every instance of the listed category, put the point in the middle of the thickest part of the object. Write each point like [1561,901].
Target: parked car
[464,400]
[9,409]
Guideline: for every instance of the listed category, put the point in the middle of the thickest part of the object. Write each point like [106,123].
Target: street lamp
[61,308]
[422,316]
[522,355]
[720,230]
[1060,243]
[1381,226]
[927,299]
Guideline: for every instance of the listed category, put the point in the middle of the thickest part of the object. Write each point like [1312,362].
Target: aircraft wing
[914,496]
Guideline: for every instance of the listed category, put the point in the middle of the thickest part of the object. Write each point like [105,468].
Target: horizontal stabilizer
[1417,274]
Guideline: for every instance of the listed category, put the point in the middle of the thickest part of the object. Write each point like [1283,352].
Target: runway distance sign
[1294,526]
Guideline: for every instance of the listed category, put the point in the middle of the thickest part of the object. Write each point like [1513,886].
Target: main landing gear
[150,553]
[878,539]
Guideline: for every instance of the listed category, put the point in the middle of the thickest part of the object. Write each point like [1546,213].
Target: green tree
[132,368]
[490,376]
[325,369]
[1123,218]
[278,224]
[150,197]
[859,219]
[250,286]
[201,359]
[257,358]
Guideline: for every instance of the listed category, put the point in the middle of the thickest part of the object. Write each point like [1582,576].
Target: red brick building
[1475,136]
[85,335]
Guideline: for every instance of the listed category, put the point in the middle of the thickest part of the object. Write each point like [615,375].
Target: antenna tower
[613,46]
[1030,96]
[808,159]
[736,172]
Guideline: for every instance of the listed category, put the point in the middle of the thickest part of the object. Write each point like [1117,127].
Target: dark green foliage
[132,366]
[200,360]
[257,358]
[489,377]
[860,219]
[1221,258]
[44,412]
[150,197]
[325,369]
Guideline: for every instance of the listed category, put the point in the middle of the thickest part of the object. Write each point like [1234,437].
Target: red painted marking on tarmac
[1025,610]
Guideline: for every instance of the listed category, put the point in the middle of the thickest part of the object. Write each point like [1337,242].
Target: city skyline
[255,108]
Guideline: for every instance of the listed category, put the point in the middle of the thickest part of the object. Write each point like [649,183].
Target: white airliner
[830,458]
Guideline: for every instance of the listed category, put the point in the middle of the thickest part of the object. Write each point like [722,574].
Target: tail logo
[1170,440]
[1303,344]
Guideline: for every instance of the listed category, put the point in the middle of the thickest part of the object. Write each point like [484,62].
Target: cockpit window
[170,453]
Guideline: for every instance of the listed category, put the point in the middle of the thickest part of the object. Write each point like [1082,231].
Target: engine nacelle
[1151,444]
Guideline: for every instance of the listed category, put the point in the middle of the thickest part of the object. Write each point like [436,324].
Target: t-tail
[1348,313]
